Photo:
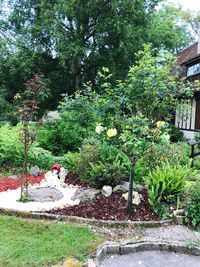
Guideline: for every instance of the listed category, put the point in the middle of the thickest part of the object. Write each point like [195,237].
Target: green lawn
[31,243]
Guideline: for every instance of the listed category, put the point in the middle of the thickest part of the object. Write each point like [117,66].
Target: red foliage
[10,183]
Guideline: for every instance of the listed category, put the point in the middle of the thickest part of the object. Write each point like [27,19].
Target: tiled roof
[187,54]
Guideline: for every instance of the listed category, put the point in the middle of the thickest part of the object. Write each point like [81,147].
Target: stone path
[152,259]
[175,234]
[172,235]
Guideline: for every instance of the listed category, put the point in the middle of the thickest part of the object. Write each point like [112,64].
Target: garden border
[110,248]
[76,219]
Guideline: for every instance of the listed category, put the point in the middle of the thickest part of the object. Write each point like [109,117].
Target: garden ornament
[55,169]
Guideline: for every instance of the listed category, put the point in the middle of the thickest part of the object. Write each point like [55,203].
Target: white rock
[106,190]
[91,263]
[51,179]
[136,197]
[62,174]
[51,117]
[35,171]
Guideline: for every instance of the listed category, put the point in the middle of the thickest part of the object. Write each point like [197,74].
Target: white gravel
[10,199]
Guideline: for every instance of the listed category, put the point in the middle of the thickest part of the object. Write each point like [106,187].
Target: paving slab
[152,259]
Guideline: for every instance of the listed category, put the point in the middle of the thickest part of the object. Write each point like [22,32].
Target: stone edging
[110,248]
[76,219]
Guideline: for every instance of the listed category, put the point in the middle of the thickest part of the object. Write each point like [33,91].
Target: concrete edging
[76,219]
[120,249]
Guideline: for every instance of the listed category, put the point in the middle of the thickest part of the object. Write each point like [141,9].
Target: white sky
[193,5]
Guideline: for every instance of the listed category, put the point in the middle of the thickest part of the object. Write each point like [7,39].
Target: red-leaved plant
[28,109]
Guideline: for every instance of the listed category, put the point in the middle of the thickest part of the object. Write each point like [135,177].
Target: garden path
[173,234]
[152,258]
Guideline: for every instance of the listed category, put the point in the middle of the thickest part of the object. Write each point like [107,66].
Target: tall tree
[169,30]
[84,35]
[70,41]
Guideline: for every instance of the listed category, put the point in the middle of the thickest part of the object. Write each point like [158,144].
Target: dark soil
[113,208]
[73,179]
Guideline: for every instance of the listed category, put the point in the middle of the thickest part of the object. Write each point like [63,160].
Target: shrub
[193,206]
[102,164]
[45,159]
[69,161]
[166,182]
[113,167]
[11,149]
[65,134]
[176,135]
[196,162]
[41,157]
[176,155]
[88,154]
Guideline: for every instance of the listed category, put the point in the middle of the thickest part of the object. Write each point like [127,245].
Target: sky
[193,5]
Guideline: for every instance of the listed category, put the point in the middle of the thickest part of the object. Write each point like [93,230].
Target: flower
[111,132]
[99,129]
[160,124]
[17,96]
[166,136]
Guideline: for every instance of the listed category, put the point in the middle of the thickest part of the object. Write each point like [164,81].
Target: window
[192,70]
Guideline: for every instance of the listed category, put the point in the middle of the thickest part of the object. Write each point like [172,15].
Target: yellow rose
[99,129]
[111,132]
[160,124]
[17,96]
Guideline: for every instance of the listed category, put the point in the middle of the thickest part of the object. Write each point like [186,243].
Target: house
[189,120]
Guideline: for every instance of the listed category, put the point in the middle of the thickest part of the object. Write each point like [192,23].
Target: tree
[192,19]
[82,36]
[154,86]
[169,30]
[35,90]
[70,41]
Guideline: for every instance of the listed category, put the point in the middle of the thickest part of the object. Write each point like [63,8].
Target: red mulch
[113,208]
[73,179]
[10,183]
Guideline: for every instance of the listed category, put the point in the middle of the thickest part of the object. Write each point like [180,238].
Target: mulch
[113,207]
[73,179]
[11,184]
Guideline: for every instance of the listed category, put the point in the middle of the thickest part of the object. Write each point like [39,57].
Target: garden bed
[113,208]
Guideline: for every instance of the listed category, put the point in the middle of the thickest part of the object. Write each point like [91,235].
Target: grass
[31,243]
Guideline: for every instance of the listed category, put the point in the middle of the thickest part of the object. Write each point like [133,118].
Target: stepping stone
[45,194]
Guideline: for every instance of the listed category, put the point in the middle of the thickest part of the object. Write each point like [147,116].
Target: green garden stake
[130,193]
